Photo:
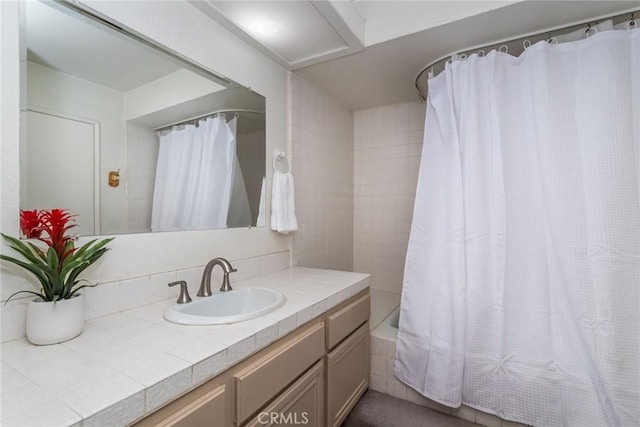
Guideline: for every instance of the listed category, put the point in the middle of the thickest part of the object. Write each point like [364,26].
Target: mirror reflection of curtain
[194,176]
[239,214]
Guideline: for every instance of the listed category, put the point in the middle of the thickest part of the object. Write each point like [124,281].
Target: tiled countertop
[125,365]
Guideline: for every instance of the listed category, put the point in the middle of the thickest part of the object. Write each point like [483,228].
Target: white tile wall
[387,150]
[142,156]
[322,165]
[112,297]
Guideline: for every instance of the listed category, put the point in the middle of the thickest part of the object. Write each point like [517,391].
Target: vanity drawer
[260,381]
[341,323]
[301,403]
[206,410]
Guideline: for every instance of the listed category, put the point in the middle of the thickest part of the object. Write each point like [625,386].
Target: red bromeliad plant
[30,224]
[56,268]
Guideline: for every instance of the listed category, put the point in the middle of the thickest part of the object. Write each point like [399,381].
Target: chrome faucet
[205,284]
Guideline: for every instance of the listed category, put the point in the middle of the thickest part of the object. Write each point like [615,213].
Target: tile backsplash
[112,297]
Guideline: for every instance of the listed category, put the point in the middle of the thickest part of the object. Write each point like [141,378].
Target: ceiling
[368,53]
[160,89]
[294,34]
[119,63]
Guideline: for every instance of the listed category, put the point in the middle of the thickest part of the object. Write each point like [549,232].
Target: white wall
[63,93]
[184,29]
[388,145]
[322,165]
[167,91]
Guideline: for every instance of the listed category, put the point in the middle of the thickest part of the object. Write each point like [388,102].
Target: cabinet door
[207,410]
[347,375]
[300,404]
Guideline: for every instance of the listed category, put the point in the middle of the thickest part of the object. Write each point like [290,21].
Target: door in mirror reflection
[61,166]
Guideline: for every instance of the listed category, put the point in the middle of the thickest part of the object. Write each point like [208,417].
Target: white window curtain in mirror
[194,176]
[522,277]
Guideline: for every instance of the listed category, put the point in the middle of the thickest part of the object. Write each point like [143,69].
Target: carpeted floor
[380,410]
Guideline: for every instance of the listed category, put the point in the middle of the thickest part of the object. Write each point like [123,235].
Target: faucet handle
[184,297]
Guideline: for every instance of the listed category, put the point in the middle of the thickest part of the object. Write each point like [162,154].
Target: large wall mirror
[131,137]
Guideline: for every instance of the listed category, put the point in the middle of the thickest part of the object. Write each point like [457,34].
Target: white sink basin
[225,307]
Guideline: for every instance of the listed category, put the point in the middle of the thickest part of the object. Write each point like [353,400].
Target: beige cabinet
[313,376]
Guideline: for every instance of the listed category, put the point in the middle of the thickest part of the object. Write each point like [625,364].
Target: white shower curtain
[194,176]
[521,292]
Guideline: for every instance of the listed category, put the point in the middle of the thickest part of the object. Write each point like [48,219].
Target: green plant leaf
[90,247]
[70,266]
[35,269]
[76,271]
[23,250]
[38,251]
[84,259]
[52,258]
[74,291]
[25,292]
[58,277]
[80,261]
[82,249]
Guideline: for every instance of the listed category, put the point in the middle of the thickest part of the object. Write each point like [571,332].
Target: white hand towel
[283,210]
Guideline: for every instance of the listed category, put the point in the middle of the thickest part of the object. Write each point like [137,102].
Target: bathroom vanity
[305,363]
[313,376]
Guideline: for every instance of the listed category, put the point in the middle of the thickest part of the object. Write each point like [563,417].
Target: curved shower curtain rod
[212,113]
[520,42]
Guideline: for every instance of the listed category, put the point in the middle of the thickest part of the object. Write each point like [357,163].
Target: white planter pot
[55,322]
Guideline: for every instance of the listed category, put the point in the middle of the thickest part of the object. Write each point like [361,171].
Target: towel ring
[279,156]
